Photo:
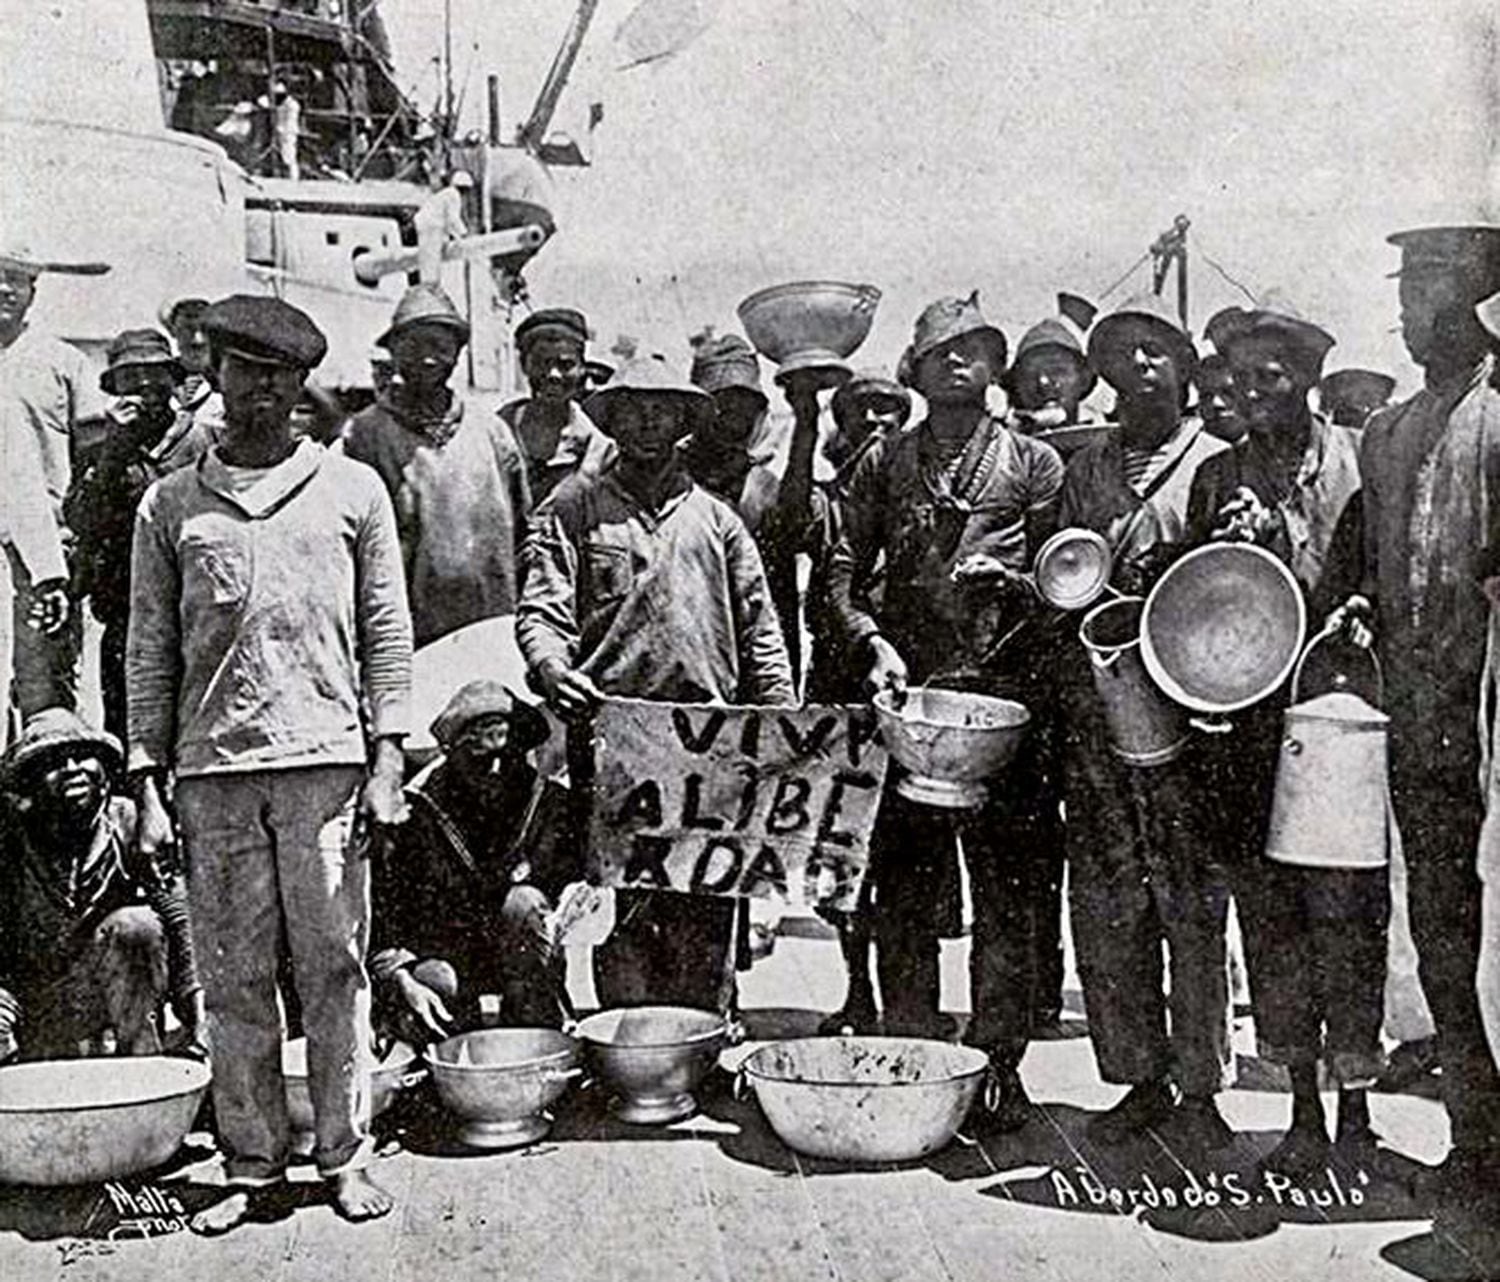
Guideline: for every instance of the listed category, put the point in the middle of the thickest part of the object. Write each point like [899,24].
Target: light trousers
[269,858]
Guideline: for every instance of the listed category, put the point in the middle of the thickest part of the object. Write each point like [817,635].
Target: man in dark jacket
[461,903]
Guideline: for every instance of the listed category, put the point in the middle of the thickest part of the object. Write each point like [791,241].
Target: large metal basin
[1223,627]
[499,1082]
[951,743]
[810,323]
[398,1069]
[80,1121]
[654,1057]
[865,1099]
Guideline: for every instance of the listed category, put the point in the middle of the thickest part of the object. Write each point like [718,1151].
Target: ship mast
[532,133]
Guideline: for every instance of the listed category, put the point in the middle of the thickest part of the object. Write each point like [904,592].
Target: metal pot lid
[1341,706]
[1073,568]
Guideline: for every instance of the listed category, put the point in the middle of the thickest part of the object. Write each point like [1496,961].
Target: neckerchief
[435,420]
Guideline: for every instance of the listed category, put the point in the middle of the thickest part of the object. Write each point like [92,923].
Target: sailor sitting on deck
[90,940]
[461,908]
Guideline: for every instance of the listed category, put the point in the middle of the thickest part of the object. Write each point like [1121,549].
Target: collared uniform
[269,641]
[459,901]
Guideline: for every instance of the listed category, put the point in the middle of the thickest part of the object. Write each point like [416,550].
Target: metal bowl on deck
[398,1069]
[950,743]
[865,1099]
[654,1057]
[80,1121]
[1223,627]
[809,324]
[500,1082]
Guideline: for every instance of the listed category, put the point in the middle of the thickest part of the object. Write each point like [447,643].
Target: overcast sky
[937,147]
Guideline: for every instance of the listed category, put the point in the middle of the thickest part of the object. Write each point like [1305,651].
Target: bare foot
[357,1197]
[229,1213]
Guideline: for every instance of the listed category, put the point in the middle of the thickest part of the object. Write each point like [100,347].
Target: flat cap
[552,322]
[265,329]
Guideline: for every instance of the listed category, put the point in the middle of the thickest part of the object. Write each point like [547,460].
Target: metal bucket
[1332,800]
[1145,728]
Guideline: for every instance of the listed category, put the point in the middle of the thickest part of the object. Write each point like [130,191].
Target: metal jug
[1145,727]
[1331,806]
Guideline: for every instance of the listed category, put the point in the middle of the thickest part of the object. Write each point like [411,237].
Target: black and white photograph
[749,640]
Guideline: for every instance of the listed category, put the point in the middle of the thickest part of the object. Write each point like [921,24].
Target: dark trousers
[116,979]
[515,962]
[1315,941]
[1440,817]
[112,676]
[1008,847]
[667,947]
[1144,872]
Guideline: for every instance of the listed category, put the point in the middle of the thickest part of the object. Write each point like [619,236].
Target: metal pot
[392,1074]
[654,1057]
[500,1082]
[865,1099]
[950,743]
[80,1121]
[1223,627]
[810,323]
[1145,728]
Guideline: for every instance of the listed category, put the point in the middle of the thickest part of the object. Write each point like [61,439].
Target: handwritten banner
[764,802]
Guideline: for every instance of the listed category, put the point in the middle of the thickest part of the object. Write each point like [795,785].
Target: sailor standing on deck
[455,475]
[958,506]
[269,672]
[556,437]
[1431,473]
[48,385]
[641,584]
[1139,838]
[1315,937]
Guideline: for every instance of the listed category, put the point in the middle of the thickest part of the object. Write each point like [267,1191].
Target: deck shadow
[1226,1195]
